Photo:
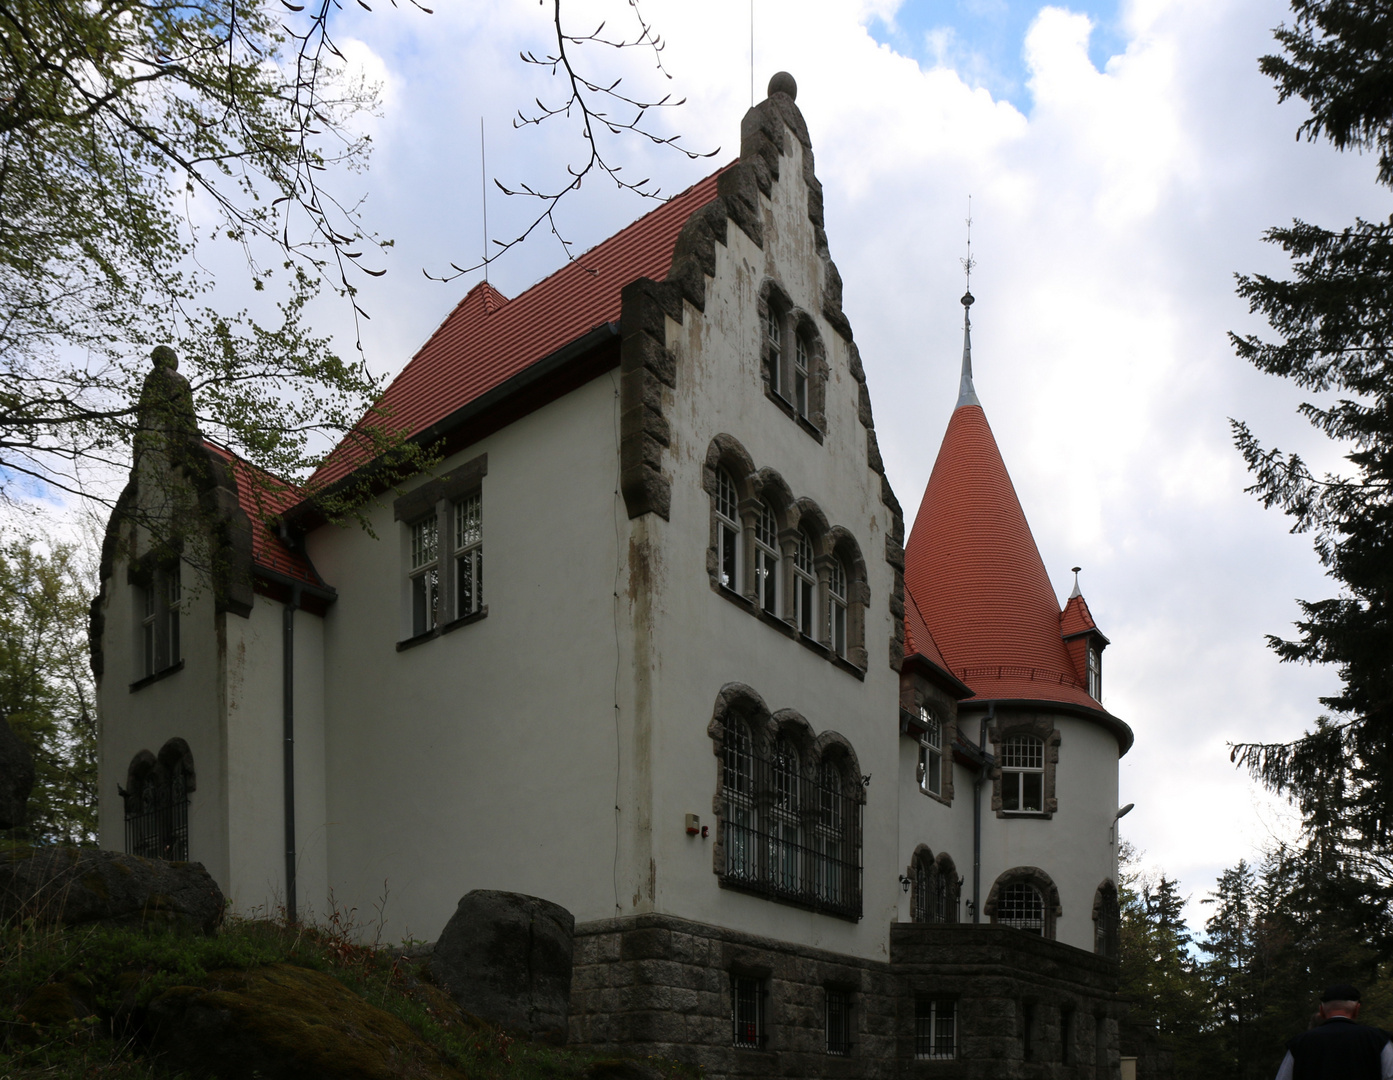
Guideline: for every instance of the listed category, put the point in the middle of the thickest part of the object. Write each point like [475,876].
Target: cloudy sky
[1122,161]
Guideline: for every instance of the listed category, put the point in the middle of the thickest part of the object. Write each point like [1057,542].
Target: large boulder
[282,1022]
[16,776]
[69,886]
[506,957]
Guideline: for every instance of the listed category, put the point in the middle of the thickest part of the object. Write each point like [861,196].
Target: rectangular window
[425,576]
[1023,775]
[173,599]
[1028,1030]
[1066,1037]
[469,556]
[774,336]
[1095,674]
[147,630]
[838,1022]
[931,754]
[747,1012]
[935,1029]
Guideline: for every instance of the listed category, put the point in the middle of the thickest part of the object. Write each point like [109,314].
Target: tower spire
[966,394]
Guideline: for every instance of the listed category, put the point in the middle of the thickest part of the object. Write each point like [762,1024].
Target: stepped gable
[976,576]
[489,338]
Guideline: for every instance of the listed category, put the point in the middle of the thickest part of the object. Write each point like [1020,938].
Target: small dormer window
[1095,673]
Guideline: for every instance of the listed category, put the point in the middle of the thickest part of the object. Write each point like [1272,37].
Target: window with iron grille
[804,587]
[923,891]
[767,559]
[789,833]
[930,753]
[836,607]
[157,808]
[935,1028]
[469,555]
[728,530]
[1023,774]
[747,1012]
[838,1022]
[425,575]
[1021,905]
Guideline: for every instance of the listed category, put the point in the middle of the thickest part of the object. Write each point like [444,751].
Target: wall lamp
[904,883]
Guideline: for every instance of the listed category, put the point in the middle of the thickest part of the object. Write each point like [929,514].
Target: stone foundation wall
[657,985]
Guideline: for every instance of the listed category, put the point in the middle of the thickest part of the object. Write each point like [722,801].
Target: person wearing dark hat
[1338,1048]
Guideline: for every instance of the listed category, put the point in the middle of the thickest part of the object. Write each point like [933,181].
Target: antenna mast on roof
[752,54]
[484,196]
[967,395]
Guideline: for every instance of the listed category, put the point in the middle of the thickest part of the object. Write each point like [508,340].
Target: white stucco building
[649,642]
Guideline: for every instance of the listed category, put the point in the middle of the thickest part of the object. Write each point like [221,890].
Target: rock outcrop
[71,886]
[16,776]
[506,957]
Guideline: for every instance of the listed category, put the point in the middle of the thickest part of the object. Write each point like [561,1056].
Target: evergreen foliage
[46,689]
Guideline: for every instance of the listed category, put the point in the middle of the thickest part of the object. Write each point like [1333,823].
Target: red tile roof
[1076,618]
[262,496]
[488,338]
[918,640]
[975,574]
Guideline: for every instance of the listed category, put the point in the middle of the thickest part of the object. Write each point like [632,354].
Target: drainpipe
[977,813]
[288,728]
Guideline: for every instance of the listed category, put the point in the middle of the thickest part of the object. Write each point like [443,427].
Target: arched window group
[779,555]
[156,797]
[934,888]
[790,804]
[793,360]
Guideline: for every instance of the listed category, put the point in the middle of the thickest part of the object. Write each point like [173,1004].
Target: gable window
[728,530]
[1021,905]
[773,335]
[1023,775]
[800,375]
[767,560]
[930,753]
[935,1028]
[1095,674]
[469,555]
[425,576]
[836,608]
[747,1012]
[804,586]
[838,1022]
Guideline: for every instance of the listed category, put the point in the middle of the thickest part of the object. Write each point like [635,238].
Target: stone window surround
[743,702]
[796,324]
[940,865]
[1042,727]
[1100,910]
[1029,875]
[754,488]
[919,696]
[438,496]
[147,574]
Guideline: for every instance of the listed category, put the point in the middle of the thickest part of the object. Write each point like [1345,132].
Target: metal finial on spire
[966,394]
[1077,591]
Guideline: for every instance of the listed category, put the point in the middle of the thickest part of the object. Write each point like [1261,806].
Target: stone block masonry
[1025,1008]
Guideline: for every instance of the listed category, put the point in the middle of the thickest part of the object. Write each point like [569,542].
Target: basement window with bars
[935,1029]
[747,1012]
[838,1022]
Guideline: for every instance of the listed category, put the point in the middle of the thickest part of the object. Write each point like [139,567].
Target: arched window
[1023,775]
[831,834]
[767,560]
[804,586]
[773,343]
[1106,921]
[738,793]
[156,800]
[800,375]
[1021,905]
[923,890]
[836,608]
[785,847]
[728,530]
[930,753]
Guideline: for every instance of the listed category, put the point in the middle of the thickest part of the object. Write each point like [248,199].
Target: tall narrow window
[425,576]
[1095,674]
[935,1028]
[1022,906]
[469,555]
[173,599]
[728,530]
[785,850]
[800,376]
[747,1012]
[148,646]
[943,901]
[804,586]
[767,559]
[1023,775]
[831,834]
[838,1022]
[836,607]
[738,792]
[773,334]
[930,753]
[923,891]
